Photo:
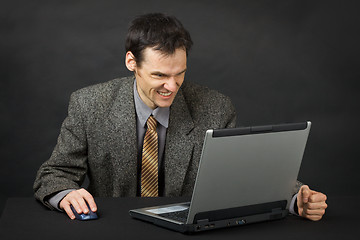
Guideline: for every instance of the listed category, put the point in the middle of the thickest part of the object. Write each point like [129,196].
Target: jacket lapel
[123,118]
[178,147]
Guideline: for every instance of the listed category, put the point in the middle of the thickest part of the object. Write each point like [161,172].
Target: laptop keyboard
[180,216]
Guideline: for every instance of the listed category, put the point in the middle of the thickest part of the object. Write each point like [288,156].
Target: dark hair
[159,31]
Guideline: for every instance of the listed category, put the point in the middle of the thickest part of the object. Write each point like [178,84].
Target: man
[141,135]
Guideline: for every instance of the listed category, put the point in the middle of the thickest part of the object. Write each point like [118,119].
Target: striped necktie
[149,165]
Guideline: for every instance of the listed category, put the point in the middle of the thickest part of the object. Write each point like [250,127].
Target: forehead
[156,60]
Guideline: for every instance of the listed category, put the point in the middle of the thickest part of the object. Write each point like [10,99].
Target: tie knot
[151,123]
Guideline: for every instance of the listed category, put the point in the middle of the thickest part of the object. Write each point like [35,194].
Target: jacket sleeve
[231,120]
[67,166]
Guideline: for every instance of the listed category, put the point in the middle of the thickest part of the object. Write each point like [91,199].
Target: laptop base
[203,225]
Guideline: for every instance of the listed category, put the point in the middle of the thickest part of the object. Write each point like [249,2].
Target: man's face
[160,76]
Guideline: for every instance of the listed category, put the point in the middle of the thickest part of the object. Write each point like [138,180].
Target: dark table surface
[25,218]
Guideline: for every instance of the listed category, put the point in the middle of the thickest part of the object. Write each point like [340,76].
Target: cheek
[157,86]
[180,80]
[146,86]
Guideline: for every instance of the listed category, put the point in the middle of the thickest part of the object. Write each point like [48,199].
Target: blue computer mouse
[89,216]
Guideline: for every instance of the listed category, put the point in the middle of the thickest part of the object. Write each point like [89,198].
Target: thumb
[305,193]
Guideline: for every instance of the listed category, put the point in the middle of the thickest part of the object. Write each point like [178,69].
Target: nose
[171,84]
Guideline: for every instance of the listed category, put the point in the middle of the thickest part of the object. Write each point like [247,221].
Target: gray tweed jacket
[98,138]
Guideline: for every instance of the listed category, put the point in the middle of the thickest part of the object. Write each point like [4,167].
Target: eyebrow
[157,73]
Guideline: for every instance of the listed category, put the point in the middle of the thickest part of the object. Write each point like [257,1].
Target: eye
[158,75]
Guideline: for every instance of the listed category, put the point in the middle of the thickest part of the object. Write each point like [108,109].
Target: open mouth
[165,94]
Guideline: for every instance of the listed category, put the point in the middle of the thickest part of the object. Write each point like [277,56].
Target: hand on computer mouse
[81,200]
[82,216]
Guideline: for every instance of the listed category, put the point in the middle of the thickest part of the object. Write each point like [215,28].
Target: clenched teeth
[165,94]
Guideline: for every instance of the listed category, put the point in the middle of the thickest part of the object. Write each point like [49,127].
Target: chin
[164,104]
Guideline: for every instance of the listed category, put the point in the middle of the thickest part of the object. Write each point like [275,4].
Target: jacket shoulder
[102,94]
[198,96]
[105,88]
[208,107]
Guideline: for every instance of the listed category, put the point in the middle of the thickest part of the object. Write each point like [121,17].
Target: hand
[77,199]
[311,204]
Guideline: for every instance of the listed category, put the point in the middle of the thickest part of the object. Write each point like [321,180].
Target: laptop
[245,175]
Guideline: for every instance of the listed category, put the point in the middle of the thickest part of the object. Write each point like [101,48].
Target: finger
[90,200]
[83,206]
[305,193]
[66,201]
[317,197]
[313,217]
[77,201]
[316,205]
[319,212]
[69,212]
[76,206]
[313,192]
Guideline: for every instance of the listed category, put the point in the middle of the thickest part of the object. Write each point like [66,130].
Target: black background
[279,61]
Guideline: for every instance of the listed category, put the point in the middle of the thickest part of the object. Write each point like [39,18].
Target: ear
[130,61]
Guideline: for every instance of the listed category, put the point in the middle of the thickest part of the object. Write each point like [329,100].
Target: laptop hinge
[200,221]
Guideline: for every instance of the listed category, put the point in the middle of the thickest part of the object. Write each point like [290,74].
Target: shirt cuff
[56,199]
[292,205]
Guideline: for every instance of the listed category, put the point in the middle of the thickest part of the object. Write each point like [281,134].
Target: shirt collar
[143,111]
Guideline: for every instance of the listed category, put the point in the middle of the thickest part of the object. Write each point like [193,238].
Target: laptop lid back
[248,166]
